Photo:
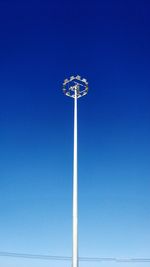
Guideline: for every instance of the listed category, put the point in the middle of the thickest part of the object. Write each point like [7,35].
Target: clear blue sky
[41,43]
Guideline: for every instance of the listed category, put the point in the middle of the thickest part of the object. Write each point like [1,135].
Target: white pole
[75,87]
[75,189]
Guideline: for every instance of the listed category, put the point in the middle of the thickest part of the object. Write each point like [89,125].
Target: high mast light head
[75,84]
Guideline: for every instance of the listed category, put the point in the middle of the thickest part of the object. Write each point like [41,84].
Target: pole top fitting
[75,85]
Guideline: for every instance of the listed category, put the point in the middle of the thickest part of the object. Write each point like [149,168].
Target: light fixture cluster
[75,86]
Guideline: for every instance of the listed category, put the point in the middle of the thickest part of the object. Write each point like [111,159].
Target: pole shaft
[75,190]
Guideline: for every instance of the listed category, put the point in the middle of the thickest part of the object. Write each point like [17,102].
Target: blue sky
[41,43]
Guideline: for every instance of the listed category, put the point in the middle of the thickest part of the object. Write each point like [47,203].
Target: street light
[75,87]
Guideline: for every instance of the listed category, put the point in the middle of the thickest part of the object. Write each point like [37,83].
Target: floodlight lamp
[84,80]
[78,77]
[66,81]
[71,78]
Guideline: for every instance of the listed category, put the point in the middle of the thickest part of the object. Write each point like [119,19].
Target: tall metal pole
[75,189]
[75,87]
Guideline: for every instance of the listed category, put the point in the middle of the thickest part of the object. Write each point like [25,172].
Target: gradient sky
[41,43]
